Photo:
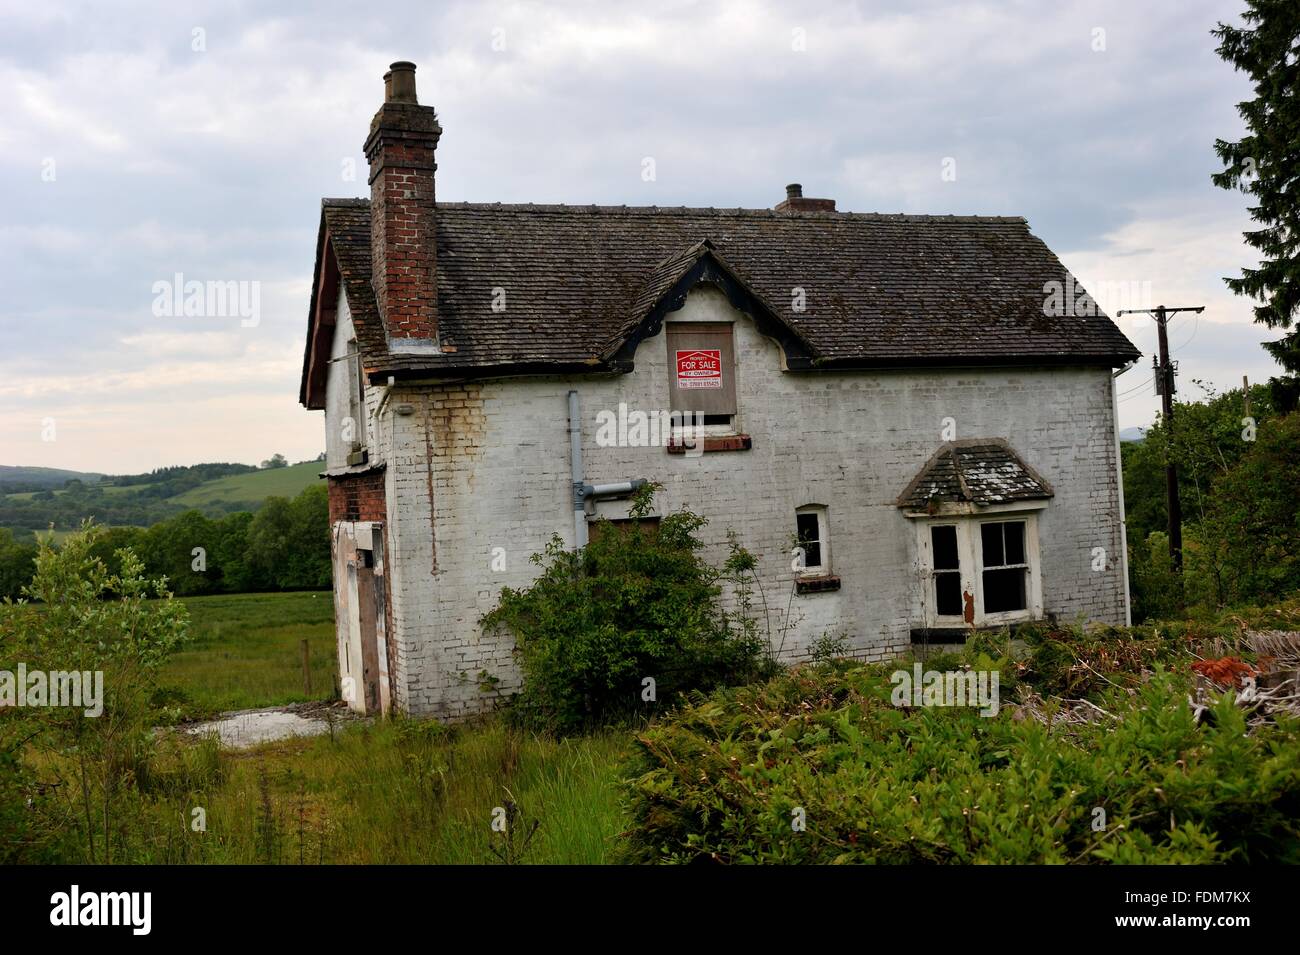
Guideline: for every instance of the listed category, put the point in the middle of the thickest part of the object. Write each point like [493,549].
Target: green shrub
[725,778]
[120,626]
[1157,588]
[1085,662]
[636,604]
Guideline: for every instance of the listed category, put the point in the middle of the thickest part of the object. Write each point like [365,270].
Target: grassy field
[396,792]
[251,488]
[246,651]
[399,791]
[110,489]
[254,486]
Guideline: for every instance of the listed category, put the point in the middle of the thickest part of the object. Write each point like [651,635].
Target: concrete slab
[245,728]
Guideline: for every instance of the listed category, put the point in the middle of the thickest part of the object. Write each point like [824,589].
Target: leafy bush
[1251,531]
[16,561]
[636,604]
[1240,501]
[121,626]
[1083,663]
[725,778]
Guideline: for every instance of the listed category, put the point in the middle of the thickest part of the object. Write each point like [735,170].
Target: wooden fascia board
[327,296]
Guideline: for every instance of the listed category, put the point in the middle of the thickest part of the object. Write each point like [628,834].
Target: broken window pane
[1014,535]
[947,594]
[1004,590]
[991,535]
[944,543]
[809,539]
[1004,543]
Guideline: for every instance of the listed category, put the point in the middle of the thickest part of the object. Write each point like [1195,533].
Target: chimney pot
[401,150]
[795,201]
[399,83]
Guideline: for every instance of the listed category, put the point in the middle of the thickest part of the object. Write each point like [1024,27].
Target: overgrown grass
[399,791]
[246,653]
[403,791]
[394,792]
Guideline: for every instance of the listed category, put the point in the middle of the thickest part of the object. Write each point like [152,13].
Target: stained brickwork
[478,476]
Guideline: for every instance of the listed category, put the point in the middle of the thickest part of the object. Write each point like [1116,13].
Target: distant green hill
[143,500]
[42,477]
[254,487]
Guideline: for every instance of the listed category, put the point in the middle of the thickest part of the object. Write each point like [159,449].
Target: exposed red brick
[800,204]
[403,218]
[357,497]
[795,201]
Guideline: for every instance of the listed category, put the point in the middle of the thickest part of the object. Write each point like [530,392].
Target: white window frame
[932,616]
[970,559]
[822,569]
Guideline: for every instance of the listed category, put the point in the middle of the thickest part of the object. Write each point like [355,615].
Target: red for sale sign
[701,368]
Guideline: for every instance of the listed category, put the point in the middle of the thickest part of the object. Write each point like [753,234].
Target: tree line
[1239,483]
[284,545]
[136,500]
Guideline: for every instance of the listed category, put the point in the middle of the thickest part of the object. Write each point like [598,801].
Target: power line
[1138,387]
[1196,327]
[1136,393]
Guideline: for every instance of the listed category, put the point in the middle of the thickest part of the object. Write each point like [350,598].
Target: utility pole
[1165,387]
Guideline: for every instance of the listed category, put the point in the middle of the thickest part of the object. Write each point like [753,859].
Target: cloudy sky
[144,140]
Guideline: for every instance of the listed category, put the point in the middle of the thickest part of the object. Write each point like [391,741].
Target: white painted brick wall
[493,458]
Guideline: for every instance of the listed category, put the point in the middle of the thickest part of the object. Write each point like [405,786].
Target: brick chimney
[795,202]
[404,269]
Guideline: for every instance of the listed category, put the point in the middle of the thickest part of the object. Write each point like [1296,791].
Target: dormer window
[702,373]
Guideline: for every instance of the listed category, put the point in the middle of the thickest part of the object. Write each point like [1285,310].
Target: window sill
[733,442]
[816,585]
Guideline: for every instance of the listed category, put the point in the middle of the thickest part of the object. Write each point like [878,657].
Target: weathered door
[359,604]
[364,578]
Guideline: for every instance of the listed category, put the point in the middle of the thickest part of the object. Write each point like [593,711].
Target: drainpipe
[581,489]
[603,490]
[575,473]
[1119,484]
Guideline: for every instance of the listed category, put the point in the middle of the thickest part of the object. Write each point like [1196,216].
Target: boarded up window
[701,368]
